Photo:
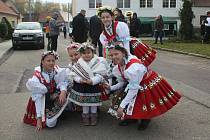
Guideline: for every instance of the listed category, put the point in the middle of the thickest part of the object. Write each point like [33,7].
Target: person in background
[207,28]
[159,29]
[118,15]
[80,27]
[47,30]
[135,25]
[95,31]
[64,31]
[54,31]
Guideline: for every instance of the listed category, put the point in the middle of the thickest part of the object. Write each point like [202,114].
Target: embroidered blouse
[38,89]
[133,75]
[95,69]
[122,35]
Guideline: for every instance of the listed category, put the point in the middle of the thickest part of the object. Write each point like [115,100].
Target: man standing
[54,31]
[207,28]
[159,29]
[95,31]
[80,27]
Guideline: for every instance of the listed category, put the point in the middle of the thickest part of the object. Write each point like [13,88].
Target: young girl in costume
[87,74]
[74,55]
[116,32]
[73,52]
[146,95]
[49,93]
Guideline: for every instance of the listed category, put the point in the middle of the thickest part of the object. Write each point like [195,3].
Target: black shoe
[123,123]
[126,122]
[144,124]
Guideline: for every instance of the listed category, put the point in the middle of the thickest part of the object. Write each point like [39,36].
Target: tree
[65,7]
[37,9]
[21,6]
[186,16]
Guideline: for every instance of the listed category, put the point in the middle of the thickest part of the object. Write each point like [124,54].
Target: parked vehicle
[28,34]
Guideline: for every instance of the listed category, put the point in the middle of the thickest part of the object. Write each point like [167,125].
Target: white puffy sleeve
[120,80]
[103,39]
[123,33]
[134,74]
[37,89]
[33,84]
[61,79]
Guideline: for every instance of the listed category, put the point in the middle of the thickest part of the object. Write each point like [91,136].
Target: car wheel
[42,46]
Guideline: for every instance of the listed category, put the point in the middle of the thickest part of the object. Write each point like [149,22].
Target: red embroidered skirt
[156,98]
[142,51]
[30,115]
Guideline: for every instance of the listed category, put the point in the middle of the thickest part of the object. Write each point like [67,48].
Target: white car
[28,34]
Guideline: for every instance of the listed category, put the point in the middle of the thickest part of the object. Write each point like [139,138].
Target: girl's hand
[62,97]
[39,124]
[89,82]
[120,112]
[82,81]
[106,86]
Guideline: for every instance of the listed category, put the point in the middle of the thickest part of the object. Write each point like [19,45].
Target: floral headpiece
[85,46]
[74,45]
[104,9]
[50,53]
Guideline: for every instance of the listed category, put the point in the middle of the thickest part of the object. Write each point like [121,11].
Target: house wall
[199,11]
[157,9]
[12,19]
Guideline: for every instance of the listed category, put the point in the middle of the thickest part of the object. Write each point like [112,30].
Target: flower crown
[104,8]
[74,45]
[85,46]
[46,53]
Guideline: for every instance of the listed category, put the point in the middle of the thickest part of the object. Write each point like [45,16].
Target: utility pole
[68,10]
[29,10]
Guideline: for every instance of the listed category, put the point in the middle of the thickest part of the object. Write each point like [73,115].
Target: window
[146,3]
[95,3]
[123,3]
[169,3]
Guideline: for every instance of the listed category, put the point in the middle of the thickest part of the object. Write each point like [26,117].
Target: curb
[181,52]
[4,55]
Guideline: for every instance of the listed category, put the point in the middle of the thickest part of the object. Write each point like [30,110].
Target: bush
[10,29]
[3,30]
[186,15]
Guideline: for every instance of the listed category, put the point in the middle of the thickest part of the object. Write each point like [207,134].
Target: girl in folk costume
[147,94]
[73,52]
[87,74]
[49,92]
[116,32]
[74,55]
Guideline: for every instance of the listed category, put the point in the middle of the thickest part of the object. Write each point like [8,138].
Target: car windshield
[28,26]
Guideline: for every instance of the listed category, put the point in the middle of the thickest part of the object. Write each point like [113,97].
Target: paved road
[189,120]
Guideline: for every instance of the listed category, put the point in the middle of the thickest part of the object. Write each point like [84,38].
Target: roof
[201,3]
[6,10]
[42,16]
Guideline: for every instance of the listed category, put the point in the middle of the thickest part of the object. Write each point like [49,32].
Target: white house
[200,7]
[147,10]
